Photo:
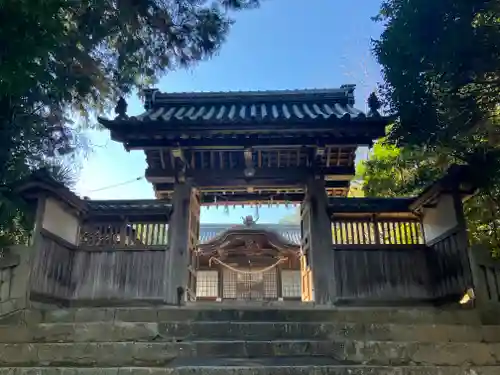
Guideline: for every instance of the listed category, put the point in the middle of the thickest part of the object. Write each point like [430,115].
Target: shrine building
[251,148]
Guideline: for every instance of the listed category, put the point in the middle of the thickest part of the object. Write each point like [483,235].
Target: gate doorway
[250,285]
[250,262]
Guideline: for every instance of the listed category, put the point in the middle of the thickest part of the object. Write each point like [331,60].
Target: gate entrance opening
[249,262]
[248,148]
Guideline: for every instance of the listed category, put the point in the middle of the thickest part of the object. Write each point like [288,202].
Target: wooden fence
[103,268]
[380,261]
[124,234]
[383,274]
[449,265]
[371,231]
[120,275]
[388,260]
[487,278]
[52,269]
[374,261]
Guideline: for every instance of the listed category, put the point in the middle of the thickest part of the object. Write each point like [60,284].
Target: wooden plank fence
[380,261]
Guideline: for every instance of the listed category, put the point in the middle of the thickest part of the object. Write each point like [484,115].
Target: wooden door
[306,280]
[194,232]
[305,267]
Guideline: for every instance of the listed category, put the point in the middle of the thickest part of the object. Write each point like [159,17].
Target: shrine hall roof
[290,232]
[245,108]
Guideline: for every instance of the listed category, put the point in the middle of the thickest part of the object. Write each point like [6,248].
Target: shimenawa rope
[262,270]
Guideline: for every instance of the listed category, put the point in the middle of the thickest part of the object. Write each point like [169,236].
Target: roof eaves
[121,126]
[40,183]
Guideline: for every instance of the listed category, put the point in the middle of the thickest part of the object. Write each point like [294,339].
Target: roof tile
[257,107]
[288,231]
[251,112]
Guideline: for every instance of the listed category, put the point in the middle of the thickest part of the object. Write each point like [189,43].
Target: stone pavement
[265,340]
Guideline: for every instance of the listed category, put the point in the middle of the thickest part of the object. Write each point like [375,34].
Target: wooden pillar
[220,280]
[319,242]
[183,238]
[23,274]
[470,274]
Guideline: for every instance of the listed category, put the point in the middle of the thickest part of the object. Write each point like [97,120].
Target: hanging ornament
[226,209]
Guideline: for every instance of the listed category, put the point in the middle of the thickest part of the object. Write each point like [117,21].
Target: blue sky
[286,44]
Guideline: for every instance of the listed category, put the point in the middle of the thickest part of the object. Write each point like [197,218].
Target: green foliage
[440,62]
[64,58]
[393,172]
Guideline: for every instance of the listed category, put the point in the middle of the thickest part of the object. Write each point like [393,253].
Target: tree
[440,62]
[393,172]
[61,58]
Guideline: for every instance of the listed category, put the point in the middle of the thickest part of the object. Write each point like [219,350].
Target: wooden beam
[168,187]
[373,127]
[244,198]
[244,141]
[265,176]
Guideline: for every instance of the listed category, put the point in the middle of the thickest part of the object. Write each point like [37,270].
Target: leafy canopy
[440,62]
[60,58]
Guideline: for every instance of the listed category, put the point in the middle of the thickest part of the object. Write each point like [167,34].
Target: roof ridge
[155,96]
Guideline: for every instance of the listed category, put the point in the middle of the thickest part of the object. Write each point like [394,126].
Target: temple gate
[250,148]
[255,148]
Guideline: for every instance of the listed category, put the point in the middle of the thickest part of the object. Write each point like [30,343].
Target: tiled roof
[142,210]
[42,181]
[291,232]
[248,107]
[243,112]
[127,205]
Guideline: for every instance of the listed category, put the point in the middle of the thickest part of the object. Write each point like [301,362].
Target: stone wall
[14,278]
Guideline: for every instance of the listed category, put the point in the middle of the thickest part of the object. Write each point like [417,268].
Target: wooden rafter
[246,141]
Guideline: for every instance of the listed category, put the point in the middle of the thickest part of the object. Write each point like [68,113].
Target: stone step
[149,314]
[260,370]
[159,354]
[256,331]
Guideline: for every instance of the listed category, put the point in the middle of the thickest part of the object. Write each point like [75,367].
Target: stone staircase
[189,340]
